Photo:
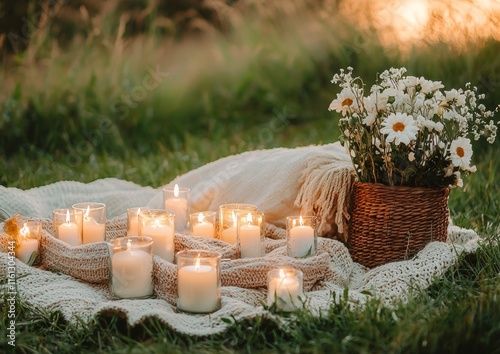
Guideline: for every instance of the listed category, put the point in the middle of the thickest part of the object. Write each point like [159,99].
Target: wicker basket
[394,223]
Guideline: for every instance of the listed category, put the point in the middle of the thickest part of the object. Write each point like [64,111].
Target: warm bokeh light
[406,23]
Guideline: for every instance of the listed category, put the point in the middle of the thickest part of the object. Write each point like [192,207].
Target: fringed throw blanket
[281,182]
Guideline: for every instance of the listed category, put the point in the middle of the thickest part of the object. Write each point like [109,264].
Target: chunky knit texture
[74,280]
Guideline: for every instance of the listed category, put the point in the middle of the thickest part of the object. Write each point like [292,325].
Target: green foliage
[68,112]
[105,90]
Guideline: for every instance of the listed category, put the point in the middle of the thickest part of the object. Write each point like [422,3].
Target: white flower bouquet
[407,131]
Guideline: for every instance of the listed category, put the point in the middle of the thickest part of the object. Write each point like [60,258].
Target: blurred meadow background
[145,90]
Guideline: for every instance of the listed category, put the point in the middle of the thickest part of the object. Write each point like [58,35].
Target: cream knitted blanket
[281,182]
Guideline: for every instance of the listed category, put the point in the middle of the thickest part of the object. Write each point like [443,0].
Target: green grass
[458,313]
[65,116]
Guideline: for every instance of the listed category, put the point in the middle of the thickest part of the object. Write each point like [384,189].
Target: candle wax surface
[178,206]
[229,235]
[250,241]
[68,232]
[285,293]
[204,229]
[26,248]
[197,288]
[93,231]
[163,240]
[302,241]
[132,274]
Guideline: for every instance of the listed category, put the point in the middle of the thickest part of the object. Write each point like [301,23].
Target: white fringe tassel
[325,191]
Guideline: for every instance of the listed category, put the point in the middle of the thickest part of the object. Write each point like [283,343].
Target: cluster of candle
[83,224]
[151,231]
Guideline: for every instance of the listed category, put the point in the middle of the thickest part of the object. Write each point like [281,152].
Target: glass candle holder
[131,267]
[67,225]
[228,220]
[301,236]
[198,281]
[28,242]
[250,236]
[94,221]
[175,200]
[159,225]
[202,224]
[133,220]
[284,289]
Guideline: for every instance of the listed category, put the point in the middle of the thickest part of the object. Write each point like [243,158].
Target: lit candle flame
[157,223]
[25,231]
[138,211]
[282,273]
[234,217]
[68,219]
[197,265]
[129,245]
[201,217]
[249,218]
[176,190]
[87,212]
[301,221]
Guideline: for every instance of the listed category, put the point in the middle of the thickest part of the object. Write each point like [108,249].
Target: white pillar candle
[131,272]
[178,205]
[92,230]
[250,240]
[203,228]
[284,290]
[27,246]
[133,222]
[197,287]
[163,239]
[302,241]
[229,235]
[133,229]
[68,232]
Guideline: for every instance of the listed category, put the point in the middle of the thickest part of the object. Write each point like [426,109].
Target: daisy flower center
[460,151]
[398,127]
[347,102]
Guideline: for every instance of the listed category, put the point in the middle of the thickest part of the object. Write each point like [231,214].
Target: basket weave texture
[394,223]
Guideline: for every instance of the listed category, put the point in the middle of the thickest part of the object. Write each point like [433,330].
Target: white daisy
[376,102]
[400,128]
[461,152]
[344,102]
[455,96]
[426,85]
[410,81]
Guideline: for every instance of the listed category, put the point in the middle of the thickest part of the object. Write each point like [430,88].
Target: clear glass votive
[250,235]
[28,242]
[202,224]
[284,288]
[159,224]
[175,200]
[198,281]
[301,236]
[133,220]
[67,225]
[131,267]
[228,219]
[94,221]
